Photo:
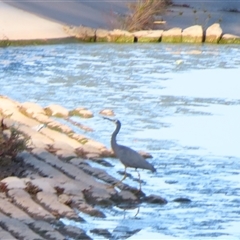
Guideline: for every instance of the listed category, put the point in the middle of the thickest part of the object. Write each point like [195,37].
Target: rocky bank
[52,178]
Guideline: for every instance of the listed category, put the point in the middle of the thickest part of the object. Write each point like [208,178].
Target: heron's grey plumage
[128,157]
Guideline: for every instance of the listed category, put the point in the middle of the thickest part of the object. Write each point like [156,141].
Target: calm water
[181,103]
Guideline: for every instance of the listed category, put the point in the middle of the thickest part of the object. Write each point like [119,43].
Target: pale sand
[16,24]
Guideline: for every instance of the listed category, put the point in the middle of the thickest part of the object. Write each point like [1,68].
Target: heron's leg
[125,175]
[139,179]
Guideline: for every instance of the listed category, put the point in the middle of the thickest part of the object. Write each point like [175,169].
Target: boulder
[121,36]
[50,202]
[63,150]
[102,35]
[81,112]
[8,106]
[182,200]
[193,34]
[148,36]
[31,109]
[213,33]
[6,102]
[23,199]
[173,35]
[20,118]
[47,230]
[98,196]
[14,182]
[230,39]
[59,127]
[42,118]
[155,199]
[56,111]
[107,112]
[44,184]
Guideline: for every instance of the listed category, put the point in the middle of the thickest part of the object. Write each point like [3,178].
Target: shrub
[12,141]
[142,13]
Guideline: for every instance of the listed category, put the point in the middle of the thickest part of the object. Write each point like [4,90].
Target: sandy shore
[30,20]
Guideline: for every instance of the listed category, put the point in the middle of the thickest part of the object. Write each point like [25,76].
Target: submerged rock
[97,196]
[101,232]
[182,200]
[71,232]
[124,232]
[155,199]
[125,197]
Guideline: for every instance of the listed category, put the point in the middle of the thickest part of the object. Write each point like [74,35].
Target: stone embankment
[193,34]
[53,177]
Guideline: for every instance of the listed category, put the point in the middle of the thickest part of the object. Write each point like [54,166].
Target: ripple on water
[179,102]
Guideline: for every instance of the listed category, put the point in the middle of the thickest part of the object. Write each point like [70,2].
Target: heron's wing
[130,157]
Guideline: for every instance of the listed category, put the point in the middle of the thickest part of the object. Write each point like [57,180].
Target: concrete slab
[16,24]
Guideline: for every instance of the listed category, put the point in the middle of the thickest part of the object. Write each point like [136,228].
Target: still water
[181,103]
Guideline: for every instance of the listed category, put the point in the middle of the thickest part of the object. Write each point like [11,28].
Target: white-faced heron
[128,157]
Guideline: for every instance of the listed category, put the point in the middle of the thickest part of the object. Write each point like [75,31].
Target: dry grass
[142,13]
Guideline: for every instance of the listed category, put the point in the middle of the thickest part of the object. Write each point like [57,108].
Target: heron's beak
[112,120]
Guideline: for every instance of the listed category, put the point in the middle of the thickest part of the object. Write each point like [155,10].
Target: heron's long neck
[114,135]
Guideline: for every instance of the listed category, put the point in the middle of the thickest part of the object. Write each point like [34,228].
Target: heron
[129,157]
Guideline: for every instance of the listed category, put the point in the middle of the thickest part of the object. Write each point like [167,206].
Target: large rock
[230,39]
[193,34]
[14,182]
[20,118]
[23,199]
[31,109]
[173,35]
[8,106]
[121,36]
[102,35]
[50,202]
[8,208]
[148,36]
[81,112]
[59,127]
[56,111]
[63,150]
[213,33]
[18,228]
[107,112]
